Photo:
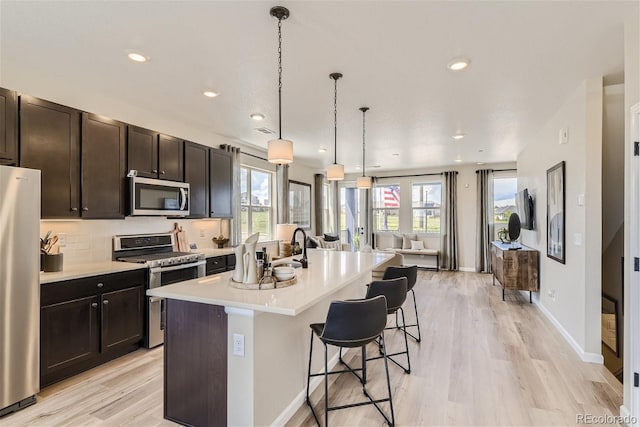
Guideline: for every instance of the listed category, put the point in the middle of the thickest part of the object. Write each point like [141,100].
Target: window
[504,202]
[386,208]
[255,203]
[426,204]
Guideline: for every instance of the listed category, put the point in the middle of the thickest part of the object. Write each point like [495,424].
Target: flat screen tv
[525,207]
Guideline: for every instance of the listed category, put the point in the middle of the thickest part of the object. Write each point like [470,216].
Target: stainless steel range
[165,267]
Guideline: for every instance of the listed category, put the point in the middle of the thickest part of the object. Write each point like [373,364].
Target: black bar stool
[395,291]
[411,273]
[351,324]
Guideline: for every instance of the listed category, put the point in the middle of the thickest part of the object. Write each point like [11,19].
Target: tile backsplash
[87,241]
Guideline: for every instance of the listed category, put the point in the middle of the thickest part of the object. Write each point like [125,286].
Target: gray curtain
[449,259]
[234,226]
[484,221]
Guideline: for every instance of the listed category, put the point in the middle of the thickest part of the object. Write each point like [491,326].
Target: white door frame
[634,251]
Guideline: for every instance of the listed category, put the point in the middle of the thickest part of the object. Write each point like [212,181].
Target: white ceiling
[526,58]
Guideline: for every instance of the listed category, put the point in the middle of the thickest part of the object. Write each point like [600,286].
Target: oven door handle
[177,267]
[183,198]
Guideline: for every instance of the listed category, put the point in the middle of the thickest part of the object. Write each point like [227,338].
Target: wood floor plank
[481,362]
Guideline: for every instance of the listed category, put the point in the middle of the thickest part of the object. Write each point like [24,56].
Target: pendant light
[335,172]
[280,151]
[363,181]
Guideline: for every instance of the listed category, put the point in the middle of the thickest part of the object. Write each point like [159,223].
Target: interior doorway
[353,216]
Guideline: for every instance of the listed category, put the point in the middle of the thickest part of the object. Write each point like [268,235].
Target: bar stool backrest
[355,323]
[410,272]
[394,290]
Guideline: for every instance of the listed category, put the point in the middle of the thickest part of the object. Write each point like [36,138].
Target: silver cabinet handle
[85,209]
[162,172]
[100,285]
[94,305]
[74,209]
[105,302]
[154,171]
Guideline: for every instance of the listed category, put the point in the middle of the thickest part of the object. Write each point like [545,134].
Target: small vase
[238,273]
[250,264]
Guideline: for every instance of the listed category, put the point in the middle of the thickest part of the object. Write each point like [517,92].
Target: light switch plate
[580,199]
[563,136]
[577,239]
[238,345]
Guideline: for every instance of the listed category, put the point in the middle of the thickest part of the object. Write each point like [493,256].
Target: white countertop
[211,252]
[87,270]
[328,272]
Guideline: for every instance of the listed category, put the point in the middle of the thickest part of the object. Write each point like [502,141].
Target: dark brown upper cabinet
[170,160]
[8,127]
[142,149]
[103,167]
[196,173]
[220,183]
[50,141]
[154,155]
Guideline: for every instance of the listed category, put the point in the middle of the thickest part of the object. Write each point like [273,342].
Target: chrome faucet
[303,260]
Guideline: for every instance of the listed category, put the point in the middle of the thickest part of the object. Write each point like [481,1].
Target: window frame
[439,208]
[374,209]
[249,206]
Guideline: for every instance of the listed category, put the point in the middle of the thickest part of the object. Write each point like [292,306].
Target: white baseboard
[586,357]
[625,415]
[299,400]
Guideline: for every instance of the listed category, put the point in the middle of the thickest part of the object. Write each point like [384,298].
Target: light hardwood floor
[481,362]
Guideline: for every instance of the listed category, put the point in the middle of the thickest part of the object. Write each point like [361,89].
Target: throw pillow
[397,241]
[319,241]
[311,243]
[406,240]
[417,244]
[330,237]
[334,245]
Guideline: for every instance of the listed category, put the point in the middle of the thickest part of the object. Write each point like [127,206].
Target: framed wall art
[556,248]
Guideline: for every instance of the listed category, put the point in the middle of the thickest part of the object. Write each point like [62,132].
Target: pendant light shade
[280,151]
[363,181]
[335,172]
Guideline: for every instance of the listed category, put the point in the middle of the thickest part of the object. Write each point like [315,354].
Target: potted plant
[503,235]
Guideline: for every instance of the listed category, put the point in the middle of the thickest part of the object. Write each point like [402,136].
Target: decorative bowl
[283,273]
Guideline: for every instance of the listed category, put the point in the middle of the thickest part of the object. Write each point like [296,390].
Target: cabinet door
[196,173]
[220,184]
[49,139]
[216,265]
[170,163]
[103,167]
[122,317]
[68,334]
[8,127]
[142,151]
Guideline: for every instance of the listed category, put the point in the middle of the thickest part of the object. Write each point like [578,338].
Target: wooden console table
[515,268]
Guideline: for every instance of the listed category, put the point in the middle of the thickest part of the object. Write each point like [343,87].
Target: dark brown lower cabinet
[89,321]
[195,364]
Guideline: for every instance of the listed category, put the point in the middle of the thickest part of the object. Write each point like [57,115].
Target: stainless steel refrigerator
[19,287]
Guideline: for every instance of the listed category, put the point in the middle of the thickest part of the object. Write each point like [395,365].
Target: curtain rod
[410,176]
[500,170]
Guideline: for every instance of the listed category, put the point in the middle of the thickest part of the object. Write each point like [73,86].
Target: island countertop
[328,272]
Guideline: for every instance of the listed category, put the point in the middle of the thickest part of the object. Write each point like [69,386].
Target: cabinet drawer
[53,293]
[216,265]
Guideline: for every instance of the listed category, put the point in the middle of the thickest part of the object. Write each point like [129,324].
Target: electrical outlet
[201,232]
[62,239]
[552,294]
[238,345]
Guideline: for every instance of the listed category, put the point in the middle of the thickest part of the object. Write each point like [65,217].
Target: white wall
[631,97]
[467,211]
[576,305]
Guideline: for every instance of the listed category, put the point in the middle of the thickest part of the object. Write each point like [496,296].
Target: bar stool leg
[406,342]
[364,364]
[415,307]
[309,368]
[386,369]
[326,388]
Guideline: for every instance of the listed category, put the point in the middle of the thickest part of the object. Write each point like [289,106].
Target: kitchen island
[260,378]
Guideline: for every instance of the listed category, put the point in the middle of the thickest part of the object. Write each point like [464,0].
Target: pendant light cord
[335,122]
[363,135]
[280,78]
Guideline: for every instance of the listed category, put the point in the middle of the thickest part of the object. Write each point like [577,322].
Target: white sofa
[424,258]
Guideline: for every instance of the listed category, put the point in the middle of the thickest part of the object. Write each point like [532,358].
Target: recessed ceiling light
[458,64]
[458,135]
[137,57]
[458,160]
[210,93]
[479,163]
[257,116]
[322,150]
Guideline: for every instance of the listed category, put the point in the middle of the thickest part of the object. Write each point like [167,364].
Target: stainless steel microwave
[157,197]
